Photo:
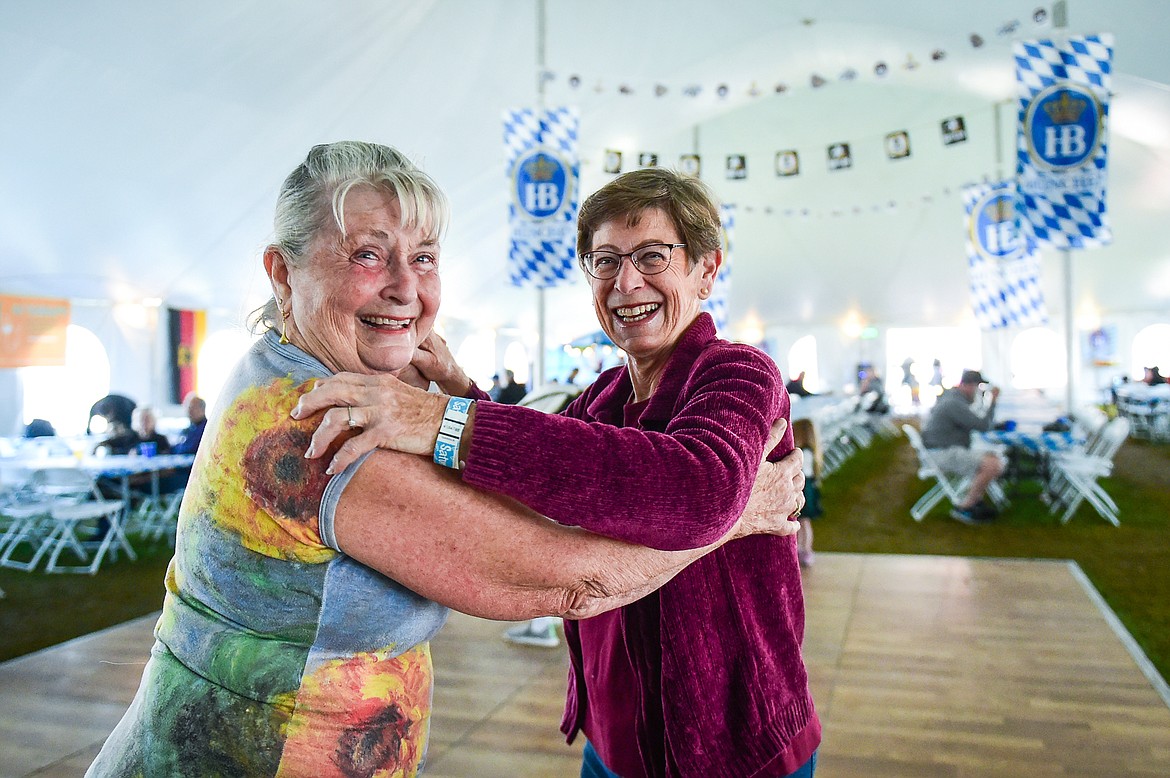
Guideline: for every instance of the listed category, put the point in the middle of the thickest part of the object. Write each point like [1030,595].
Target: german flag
[187,331]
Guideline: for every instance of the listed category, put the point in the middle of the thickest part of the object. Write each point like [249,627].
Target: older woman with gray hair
[294,638]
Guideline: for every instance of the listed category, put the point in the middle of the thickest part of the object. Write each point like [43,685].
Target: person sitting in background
[497,387]
[873,394]
[796,387]
[111,407]
[39,428]
[197,414]
[120,438]
[144,425]
[512,392]
[1153,376]
[948,433]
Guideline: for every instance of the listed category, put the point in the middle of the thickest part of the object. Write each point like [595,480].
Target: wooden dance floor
[938,667]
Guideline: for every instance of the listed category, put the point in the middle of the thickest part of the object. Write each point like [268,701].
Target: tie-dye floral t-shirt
[275,654]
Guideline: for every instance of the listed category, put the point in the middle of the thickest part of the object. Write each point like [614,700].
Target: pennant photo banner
[1062,139]
[1001,259]
[717,303]
[543,175]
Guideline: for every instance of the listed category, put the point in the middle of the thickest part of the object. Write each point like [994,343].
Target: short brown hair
[688,202]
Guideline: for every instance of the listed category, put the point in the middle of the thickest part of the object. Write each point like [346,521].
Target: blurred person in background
[948,431]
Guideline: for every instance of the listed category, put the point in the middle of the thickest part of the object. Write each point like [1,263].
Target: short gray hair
[316,190]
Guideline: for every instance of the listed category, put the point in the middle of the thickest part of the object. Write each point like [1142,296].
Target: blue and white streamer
[717,303]
[1002,260]
[1062,143]
[543,175]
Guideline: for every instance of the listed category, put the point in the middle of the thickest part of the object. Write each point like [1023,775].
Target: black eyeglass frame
[670,247]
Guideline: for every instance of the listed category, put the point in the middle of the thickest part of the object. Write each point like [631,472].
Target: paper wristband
[451,432]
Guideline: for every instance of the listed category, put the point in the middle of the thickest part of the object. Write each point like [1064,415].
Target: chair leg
[926,502]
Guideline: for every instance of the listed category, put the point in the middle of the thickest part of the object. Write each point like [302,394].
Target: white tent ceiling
[145,142]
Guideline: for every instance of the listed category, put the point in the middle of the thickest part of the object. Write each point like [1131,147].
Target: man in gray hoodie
[948,434]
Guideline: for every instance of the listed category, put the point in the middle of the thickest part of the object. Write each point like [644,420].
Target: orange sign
[32,331]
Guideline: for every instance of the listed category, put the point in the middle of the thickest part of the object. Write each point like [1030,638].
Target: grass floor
[867,510]
[41,610]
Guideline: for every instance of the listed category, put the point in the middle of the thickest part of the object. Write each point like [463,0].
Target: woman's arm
[680,488]
[489,556]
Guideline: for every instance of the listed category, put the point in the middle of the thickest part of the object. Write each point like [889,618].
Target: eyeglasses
[650,260]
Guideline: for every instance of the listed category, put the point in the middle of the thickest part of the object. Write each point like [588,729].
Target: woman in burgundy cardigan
[705,675]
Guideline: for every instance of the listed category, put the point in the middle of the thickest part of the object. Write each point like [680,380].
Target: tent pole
[1069,330]
[1060,25]
[541,26]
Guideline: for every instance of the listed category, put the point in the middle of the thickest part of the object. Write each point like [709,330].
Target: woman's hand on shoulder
[383,411]
[777,494]
[433,362]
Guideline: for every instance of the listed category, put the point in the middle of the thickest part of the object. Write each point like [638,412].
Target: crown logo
[1066,110]
[540,169]
[1001,210]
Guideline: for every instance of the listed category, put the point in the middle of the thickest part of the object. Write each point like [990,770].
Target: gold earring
[283,322]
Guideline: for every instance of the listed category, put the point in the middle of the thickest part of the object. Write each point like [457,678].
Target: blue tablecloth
[1034,442]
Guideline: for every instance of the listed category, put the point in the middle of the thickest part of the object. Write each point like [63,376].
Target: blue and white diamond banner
[543,174]
[717,303]
[1001,259]
[1062,142]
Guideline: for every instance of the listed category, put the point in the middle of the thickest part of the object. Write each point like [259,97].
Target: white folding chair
[160,520]
[25,519]
[946,486]
[78,503]
[1074,475]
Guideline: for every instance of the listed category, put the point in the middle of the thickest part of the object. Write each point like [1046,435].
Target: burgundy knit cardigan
[717,649]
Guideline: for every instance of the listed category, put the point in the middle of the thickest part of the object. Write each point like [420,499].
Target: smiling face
[362,301]
[646,315]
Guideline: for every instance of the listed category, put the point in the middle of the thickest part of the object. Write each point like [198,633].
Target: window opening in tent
[217,357]
[516,360]
[63,394]
[802,357]
[1151,348]
[1037,360]
[956,349]
[477,356]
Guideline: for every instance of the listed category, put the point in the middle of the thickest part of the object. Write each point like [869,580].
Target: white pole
[1060,23]
[1070,335]
[538,379]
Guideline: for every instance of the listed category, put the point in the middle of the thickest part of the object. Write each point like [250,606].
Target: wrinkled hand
[778,493]
[433,362]
[389,413]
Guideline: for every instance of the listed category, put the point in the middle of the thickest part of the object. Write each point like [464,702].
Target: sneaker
[985,510]
[527,635]
[971,516]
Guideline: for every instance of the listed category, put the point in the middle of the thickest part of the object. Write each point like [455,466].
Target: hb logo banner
[543,172]
[1062,145]
[1001,259]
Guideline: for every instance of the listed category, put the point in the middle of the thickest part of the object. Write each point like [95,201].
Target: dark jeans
[593,767]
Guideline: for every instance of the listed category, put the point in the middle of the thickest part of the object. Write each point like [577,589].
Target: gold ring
[349,412]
